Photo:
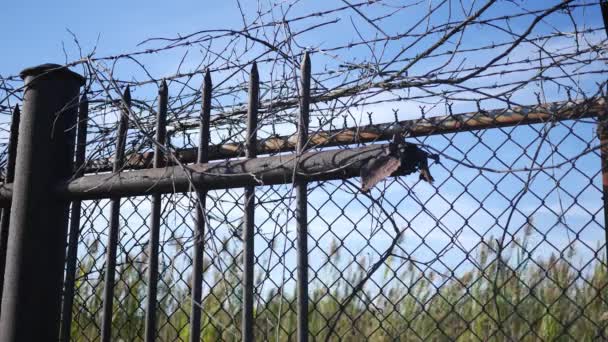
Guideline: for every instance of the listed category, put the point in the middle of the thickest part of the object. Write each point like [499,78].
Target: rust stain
[417,127]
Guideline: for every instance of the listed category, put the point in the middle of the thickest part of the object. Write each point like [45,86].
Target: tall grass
[521,297]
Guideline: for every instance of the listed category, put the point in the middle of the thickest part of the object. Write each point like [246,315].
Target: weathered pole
[9,177]
[437,125]
[71,258]
[199,241]
[301,190]
[110,267]
[312,166]
[31,303]
[602,133]
[249,214]
[153,244]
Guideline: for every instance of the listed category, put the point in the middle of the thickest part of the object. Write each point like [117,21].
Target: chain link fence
[507,243]
[478,255]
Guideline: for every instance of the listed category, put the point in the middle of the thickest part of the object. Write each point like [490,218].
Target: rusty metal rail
[323,165]
[312,166]
[472,121]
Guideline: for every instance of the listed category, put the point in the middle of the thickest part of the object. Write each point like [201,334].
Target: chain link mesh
[478,255]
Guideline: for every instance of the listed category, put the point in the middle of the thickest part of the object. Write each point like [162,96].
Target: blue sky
[36,29]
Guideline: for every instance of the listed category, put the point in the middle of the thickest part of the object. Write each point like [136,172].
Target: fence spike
[12,148]
[110,269]
[9,176]
[126,97]
[304,104]
[72,254]
[197,266]
[153,245]
[249,214]
[301,190]
[204,129]
[252,112]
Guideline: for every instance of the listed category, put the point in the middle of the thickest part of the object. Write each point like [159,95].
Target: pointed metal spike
[203,149]
[127,95]
[252,112]
[305,66]
[207,80]
[163,89]
[254,71]
[12,145]
[304,117]
[206,93]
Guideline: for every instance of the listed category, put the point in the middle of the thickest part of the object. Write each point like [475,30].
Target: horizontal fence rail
[335,164]
[324,165]
[506,117]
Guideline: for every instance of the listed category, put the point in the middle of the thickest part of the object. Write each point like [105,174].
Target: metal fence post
[199,244]
[38,222]
[111,249]
[249,217]
[9,177]
[74,234]
[602,133]
[301,190]
[157,199]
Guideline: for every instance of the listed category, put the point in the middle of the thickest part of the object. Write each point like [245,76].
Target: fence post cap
[56,70]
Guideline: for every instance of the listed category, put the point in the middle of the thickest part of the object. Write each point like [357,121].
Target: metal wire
[507,243]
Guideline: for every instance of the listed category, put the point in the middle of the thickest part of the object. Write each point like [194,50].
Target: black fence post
[249,214]
[199,242]
[9,177]
[602,133]
[301,190]
[38,223]
[111,249]
[157,199]
[74,234]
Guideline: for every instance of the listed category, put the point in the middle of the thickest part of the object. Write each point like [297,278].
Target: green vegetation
[523,298]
